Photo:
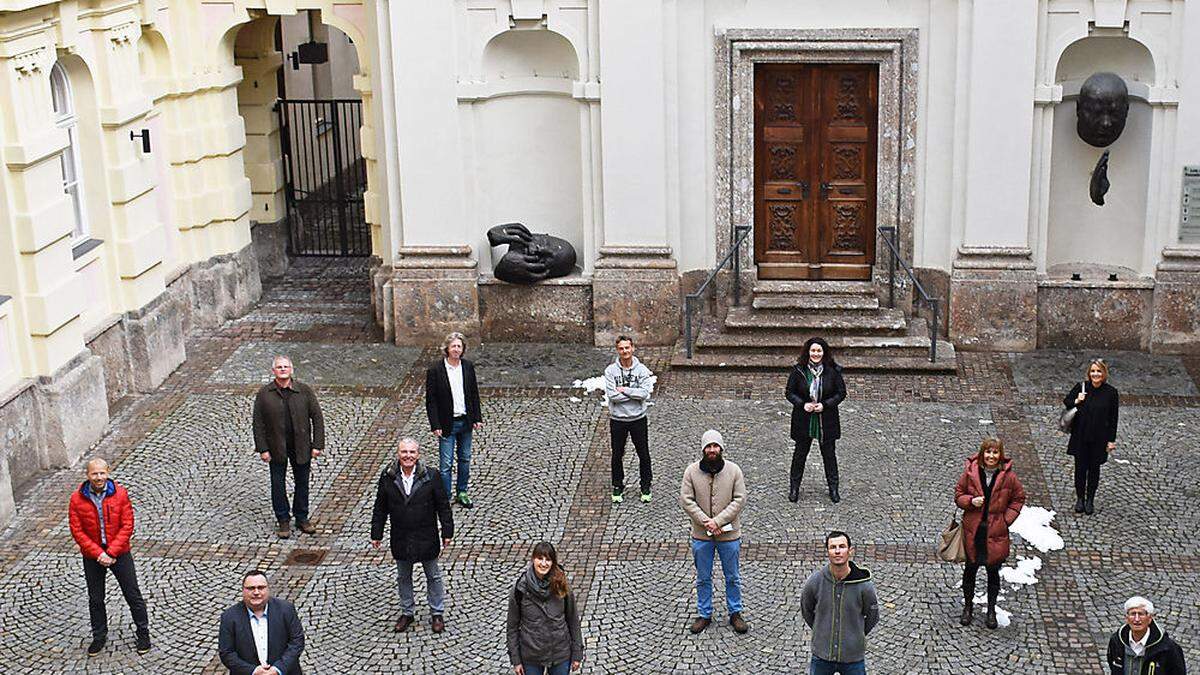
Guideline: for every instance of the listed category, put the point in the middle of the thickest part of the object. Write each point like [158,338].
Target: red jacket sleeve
[118,537]
[90,548]
[961,496]
[1017,502]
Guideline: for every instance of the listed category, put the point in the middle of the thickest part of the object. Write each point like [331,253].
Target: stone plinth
[1175,328]
[72,409]
[434,293]
[1094,314]
[635,292]
[993,299]
[554,310]
[154,338]
[270,247]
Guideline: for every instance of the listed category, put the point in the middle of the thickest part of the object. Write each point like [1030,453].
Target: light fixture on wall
[144,134]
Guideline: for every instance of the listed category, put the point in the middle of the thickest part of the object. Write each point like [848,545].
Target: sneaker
[403,622]
[465,500]
[306,527]
[739,624]
[284,529]
[143,643]
[700,624]
[437,623]
[97,646]
[618,495]
[646,497]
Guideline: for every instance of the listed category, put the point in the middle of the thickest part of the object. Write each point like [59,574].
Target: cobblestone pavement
[541,471]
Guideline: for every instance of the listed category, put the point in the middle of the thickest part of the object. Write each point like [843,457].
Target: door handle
[785,191]
[804,189]
[825,190]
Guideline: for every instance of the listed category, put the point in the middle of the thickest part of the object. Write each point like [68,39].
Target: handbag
[952,549]
[1067,417]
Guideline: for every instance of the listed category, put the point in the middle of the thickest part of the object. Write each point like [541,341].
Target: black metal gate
[325,177]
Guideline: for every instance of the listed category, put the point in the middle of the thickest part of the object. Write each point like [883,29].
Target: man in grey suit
[260,635]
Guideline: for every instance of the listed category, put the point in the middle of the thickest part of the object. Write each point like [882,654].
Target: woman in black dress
[815,388]
[1093,431]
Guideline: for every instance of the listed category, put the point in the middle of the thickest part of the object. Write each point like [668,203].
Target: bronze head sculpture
[1101,109]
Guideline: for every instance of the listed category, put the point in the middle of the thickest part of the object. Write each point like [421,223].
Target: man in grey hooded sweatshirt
[628,384]
[838,603]
[713,494]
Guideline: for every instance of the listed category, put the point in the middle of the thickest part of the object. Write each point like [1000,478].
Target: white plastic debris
[1034,527]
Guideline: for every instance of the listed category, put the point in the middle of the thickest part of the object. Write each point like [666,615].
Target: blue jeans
[703,551]
[435,591]
[279,501]
[460,435]
[822,667]
[563,668]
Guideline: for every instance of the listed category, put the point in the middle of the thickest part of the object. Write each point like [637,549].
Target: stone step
[945,365]
[713,341]
[821,287]
[816,303]
[884,322]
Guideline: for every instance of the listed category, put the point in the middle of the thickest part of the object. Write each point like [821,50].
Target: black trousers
[1087,477]
[828,458]
[619,432]
[95,573]
[993,581]
[279,501]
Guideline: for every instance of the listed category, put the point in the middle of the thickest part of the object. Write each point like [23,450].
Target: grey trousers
[435,591]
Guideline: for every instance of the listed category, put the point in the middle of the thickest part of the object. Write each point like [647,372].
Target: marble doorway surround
[893,49]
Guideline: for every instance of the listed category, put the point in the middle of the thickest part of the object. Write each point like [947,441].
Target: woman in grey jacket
[544,637]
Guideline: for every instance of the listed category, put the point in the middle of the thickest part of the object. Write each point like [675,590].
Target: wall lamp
[144,134]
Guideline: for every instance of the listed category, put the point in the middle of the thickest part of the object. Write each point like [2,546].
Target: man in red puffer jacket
[102,523]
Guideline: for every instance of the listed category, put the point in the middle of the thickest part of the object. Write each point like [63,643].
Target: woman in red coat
[988,485]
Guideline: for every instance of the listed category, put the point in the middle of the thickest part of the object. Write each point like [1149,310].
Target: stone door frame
[893,49]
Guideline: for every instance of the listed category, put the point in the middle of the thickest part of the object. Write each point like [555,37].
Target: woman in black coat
[1093,431]
[815,388]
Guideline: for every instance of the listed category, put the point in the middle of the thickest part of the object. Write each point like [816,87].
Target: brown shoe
[739,624]
[437,623]
[700,624]
[403,623]
[284,529]
[306,527]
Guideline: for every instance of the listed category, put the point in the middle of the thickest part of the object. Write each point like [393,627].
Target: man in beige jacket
[713,495]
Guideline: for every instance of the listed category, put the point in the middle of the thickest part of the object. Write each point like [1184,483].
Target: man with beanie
[628,385]
[838,603]
[713,495]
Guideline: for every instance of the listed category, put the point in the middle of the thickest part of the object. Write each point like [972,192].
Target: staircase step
[946,363]
[885,322]
[819,303]
[792,344]
[821,287]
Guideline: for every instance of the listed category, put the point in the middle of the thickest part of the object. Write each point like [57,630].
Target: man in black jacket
[413,497]
[260,635]
[1141,647]
[288,427]
[452,404]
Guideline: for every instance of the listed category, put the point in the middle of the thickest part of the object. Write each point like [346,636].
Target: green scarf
[814,419]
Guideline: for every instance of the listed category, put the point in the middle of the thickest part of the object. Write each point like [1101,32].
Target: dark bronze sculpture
[1100,112]
[530,257]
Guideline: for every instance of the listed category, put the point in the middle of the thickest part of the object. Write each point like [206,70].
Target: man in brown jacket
[713,495]
[288,427]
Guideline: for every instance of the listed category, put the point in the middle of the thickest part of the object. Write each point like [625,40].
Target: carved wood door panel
[814,170]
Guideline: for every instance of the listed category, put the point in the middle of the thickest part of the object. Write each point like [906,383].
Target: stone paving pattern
[540,470]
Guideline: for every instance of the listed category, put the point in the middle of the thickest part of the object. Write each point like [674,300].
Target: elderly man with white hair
[1141,647]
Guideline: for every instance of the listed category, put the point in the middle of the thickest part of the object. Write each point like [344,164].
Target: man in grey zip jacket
[838,603]
[628,385]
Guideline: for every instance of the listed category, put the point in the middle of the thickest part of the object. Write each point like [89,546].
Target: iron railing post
[892,271]
[687,323]
[934,303]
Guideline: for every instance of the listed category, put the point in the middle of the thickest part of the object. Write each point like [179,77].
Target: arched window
[64,118]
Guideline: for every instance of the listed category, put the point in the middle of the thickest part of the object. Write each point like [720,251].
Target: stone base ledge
[1175,328]
[993,299]
[635,292]
[553,310]
[434,291]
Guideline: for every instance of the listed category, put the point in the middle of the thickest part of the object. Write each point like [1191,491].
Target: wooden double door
[814,170]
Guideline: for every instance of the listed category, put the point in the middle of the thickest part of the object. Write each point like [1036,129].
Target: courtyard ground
[541,472]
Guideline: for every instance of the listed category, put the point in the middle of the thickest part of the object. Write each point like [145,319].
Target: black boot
[968,613]
[833,492]
[1079,506]
[990,621]
[1089,505]
[794,485]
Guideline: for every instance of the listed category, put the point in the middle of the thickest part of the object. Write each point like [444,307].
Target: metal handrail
[891,236]
[689,301]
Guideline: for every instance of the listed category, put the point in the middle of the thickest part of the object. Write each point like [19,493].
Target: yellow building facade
[141,175]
